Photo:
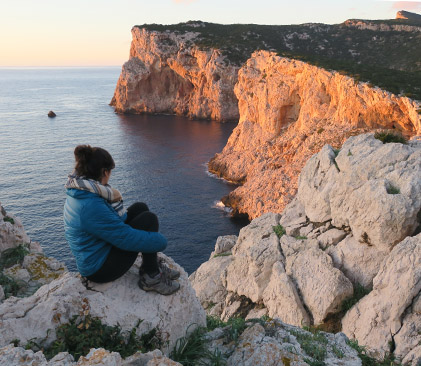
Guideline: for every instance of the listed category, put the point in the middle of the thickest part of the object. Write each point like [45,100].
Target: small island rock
[51,114]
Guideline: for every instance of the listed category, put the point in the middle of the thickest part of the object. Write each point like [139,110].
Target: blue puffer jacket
[92,227]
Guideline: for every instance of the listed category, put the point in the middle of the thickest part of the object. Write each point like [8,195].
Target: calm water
[160,160]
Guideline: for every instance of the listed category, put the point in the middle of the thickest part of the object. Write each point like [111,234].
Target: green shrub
[10,286]
[367,360]
[390,189]
[213,322]
[279,230]
[359,292]
[12,256]
[387,137]
[313,344]
[8,219]
[190,349]
[320,130]
[78,336]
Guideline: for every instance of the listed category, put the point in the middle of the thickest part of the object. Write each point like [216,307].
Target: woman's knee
[136,209]
[147,221]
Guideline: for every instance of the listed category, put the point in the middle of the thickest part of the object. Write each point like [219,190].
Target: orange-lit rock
[288,111]
[167,74]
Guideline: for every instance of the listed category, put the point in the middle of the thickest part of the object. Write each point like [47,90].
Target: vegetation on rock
[387,137]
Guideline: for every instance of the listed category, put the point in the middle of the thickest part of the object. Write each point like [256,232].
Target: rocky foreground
[352,234]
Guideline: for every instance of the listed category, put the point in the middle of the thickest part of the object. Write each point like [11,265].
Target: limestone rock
[1,294]
[386,311]
[282,300]
[323,287]
[12,232]
[256,251]
[224,244]
[358,261]
[315,184]
[56,302]
[377,192]
[207,282]
[13,356]
[331,237]
[288,111]
[165,74]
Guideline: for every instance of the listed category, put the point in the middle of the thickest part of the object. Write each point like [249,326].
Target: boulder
[322,286]
[391,311]
[207,281]
[224,244]
[371,187]
[358,261]
[51,114]
[119,302]
[256,251]
[282,299]
[12,232]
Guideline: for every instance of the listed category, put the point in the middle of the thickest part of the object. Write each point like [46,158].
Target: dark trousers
[119,261]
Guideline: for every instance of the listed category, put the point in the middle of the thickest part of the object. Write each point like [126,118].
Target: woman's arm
[100,220]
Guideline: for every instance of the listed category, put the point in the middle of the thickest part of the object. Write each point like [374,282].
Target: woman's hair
[92,161]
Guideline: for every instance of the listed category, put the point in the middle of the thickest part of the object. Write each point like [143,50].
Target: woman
[103,237]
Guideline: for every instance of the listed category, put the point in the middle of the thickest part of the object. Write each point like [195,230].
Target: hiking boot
[172,274]
[160,283]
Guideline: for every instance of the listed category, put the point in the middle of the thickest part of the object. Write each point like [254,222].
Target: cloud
[407,5]
[183,1]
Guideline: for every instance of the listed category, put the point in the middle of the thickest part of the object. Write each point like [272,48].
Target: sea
[160,159]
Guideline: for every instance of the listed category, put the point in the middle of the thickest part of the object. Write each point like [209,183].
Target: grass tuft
[12,256]
[279,230]
[359,292]
[388,137]
[367,360]
[78,336]
[390,189]
[9,219]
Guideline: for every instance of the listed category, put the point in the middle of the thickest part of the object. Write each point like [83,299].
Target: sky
[97,32]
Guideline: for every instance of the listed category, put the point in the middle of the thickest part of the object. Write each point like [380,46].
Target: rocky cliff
[344,254]
[288,111]
[30,322]
[407,15]
[167,73]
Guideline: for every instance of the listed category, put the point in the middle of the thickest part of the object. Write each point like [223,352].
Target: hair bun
[83,152]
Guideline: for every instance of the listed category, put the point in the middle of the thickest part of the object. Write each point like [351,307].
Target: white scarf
[113,196]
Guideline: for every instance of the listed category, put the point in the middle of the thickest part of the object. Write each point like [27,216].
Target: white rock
[256,313]
[12,356]
[358,261]
[223,244]
[282,300]
[331,237]
[2,296]
[257,249]
[57,302]
[207,282]
[378,316]
[294,214]
[360,198]
[323,287]
[315,184]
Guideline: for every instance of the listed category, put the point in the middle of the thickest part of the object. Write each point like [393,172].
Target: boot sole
[147,288]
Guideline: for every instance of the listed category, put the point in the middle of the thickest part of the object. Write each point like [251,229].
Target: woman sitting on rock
[103,237]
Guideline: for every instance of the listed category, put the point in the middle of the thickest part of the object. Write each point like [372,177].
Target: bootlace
[165,277]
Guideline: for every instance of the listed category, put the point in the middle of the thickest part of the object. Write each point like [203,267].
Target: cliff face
[166,73]
[288,111]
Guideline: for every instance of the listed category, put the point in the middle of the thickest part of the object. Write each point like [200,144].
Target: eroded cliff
[167,73]
[288,111]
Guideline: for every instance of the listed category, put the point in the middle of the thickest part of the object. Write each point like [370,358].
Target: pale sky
[97,32]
